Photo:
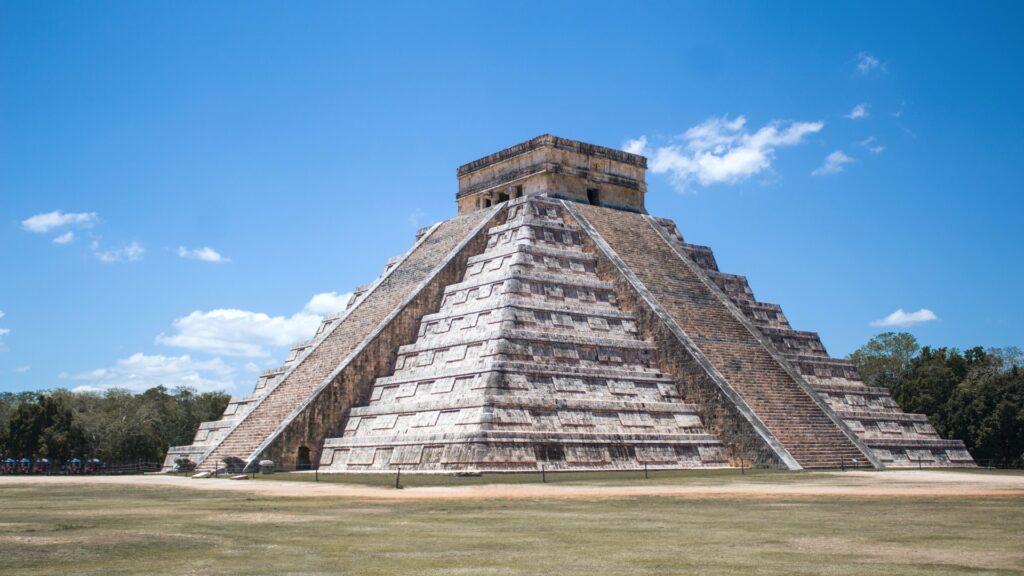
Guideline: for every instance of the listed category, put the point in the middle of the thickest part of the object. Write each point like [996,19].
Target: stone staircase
[800,422]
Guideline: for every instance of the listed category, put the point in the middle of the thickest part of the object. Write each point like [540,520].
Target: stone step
[532,249]
[542,369]
[530,275]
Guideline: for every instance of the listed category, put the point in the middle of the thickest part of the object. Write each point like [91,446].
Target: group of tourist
[46,466]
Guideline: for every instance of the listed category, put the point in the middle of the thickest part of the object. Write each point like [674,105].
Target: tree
[885,359]
[116,426]
[987,411]
[976,396]
[44,429]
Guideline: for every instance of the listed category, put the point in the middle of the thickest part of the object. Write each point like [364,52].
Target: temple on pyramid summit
[554,323]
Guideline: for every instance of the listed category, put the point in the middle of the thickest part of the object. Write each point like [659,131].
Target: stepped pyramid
[554,323]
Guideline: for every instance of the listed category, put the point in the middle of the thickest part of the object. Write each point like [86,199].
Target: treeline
[976,395]
[115,426]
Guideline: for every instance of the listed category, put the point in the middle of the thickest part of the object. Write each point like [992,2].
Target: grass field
[103,529]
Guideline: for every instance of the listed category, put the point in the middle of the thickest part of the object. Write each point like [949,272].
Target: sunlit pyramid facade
[555,324]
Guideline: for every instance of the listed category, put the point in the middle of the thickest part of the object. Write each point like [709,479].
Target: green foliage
[116,426]
[976,395]
[885,359]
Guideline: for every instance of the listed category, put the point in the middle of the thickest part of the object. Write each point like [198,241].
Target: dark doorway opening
[502,198]
[518,192]
[621,452]
[302,459]
[549,452]
[593,196]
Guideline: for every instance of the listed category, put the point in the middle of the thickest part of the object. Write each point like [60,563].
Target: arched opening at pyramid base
[302,461]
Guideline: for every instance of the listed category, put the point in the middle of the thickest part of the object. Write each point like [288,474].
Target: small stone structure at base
[554,324]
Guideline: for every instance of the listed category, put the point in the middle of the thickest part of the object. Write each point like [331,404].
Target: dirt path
[889,484]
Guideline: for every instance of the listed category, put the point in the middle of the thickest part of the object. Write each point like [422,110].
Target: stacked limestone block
[528,362]
[898,439]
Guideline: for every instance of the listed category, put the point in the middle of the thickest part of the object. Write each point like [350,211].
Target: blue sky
[303,144]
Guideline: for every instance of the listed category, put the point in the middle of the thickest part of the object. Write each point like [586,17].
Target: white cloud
[22,369]
[5,331]
[2,314]
[128,253]
[328,302]
[859,111]
[206,254]
[904,319]
[65,238]
[636,146]
[721,150]
[42,223]
[143,371]
[871,145]
[834,163]
[233,332]
[867,63]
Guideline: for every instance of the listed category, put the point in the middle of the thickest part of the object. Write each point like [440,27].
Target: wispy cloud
[22,369]
[3,331]
[904,319]
[636,146]
[721,150]
[205,254]
[868,63]
[43,223]
[859,111]
[871,145]
[128,253]
[416,218]
[65,238]
[234,332]
[834,163]
[328,302]
[143,371]
[220,332]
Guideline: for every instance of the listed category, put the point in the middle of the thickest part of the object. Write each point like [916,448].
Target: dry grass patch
[98,530]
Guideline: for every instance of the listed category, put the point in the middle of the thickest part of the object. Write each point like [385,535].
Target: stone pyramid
[555,324]
[528,359]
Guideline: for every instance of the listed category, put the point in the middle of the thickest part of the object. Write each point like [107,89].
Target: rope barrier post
[398,479]
[645,471]
[543,475]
